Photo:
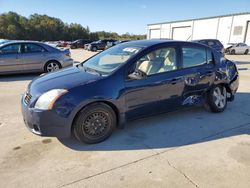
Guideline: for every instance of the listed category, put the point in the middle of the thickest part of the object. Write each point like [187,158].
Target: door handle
[175,80]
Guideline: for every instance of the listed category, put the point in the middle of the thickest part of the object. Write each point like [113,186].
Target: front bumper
[45,122]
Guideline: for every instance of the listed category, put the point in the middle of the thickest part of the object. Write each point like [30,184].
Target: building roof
[204,18]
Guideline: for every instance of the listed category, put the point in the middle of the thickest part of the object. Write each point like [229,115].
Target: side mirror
[137,75]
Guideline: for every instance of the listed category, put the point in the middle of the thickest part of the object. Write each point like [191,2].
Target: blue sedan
[128,81]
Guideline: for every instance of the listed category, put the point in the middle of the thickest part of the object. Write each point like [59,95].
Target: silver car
[239,48]
[26,56]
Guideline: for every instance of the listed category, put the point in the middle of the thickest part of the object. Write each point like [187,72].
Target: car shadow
[166,131]
[18,77]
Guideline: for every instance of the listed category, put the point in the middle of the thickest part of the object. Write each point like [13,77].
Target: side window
[242,44]
[158,61]
[11,49]
[193,56]
[32,48]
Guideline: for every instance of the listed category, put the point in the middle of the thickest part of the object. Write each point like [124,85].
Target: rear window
[192,56]
[33,48]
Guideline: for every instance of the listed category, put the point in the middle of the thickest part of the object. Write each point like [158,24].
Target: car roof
[152,42]
[206,40]
[23,42]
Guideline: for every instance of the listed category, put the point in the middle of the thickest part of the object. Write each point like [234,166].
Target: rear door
[9,58]
[33,56]
[198,70]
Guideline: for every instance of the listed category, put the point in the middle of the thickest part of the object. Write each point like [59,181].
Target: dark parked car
[125,82]
[213,43]
[80,43]
[110,44]
[2,41]
[99,45]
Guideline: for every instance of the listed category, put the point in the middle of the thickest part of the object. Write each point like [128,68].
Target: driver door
[160,90]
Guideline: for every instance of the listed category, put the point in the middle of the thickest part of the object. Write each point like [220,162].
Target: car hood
[63,79]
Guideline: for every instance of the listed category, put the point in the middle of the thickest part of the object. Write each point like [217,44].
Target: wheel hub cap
[95,124]
[52,67]
[220,97]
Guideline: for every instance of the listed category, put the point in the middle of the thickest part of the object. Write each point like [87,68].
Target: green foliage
[42,27]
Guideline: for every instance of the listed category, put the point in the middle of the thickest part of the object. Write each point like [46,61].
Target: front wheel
[94,123]
[246,52]
[217,99]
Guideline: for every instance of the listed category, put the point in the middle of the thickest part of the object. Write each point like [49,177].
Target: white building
[231,28]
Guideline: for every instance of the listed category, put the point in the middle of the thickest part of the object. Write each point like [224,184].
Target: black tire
[246,52]
[212,103]
[48,68]
[94,123]
[94,49]
[232,52]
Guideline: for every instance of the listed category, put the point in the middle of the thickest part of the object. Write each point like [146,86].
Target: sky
[123,16]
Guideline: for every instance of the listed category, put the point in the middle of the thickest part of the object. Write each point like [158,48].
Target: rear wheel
[94,49]
[246,52]
[217,99]
[95,123]
[52,66]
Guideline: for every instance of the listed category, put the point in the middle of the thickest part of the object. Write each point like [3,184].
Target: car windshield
[110,59]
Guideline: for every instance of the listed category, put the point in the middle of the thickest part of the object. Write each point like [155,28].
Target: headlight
[47,100]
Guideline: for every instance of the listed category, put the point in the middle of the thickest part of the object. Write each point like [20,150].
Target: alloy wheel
[220,97]
[52,66]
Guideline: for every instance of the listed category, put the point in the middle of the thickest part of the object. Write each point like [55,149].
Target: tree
[46,28]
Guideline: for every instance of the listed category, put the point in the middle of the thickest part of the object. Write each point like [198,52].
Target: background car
[239,48]
[110,44]
[213,43]
[28,56]
[86,46]
[62,44]
[2,41]
[99,45]
[147,77]
[80,43]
